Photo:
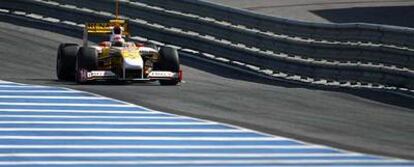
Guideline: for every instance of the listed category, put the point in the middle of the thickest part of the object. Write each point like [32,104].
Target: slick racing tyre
[86,60]
[169,62]
[66,61]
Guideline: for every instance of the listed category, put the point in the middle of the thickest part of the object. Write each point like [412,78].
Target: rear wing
[104,29]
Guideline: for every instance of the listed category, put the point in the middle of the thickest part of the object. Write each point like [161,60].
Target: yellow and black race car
[116,59]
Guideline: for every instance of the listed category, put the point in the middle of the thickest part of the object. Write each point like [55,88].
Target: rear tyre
[169,62]
[86,61]
[66,61]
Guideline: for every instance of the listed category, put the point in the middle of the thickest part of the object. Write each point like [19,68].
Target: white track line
[40,91]
[165,147]
[118,130]
[187,138]
[6,82]
[24,86]
[54,97]
[92,117]
[252,155]
[197,162]
[106,123]
[83,111]
[67,104]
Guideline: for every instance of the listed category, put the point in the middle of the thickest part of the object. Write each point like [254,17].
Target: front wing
[154,75]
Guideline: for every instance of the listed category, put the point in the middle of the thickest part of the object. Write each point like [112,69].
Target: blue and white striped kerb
[50,126]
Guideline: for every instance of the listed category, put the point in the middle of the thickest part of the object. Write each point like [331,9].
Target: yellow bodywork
[111,58]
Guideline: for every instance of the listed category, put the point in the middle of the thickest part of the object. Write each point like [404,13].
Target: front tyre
[169,62]
[86,61]
[66,61]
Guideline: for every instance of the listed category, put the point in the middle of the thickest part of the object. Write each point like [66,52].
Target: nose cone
[133,62]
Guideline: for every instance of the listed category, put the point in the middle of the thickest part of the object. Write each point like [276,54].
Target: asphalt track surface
[390,12]
[364,121]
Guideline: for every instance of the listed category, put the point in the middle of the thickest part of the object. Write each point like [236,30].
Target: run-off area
[43,126]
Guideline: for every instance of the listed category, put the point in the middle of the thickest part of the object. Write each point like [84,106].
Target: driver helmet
[116,38]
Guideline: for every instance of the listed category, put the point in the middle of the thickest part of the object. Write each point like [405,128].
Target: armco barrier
[292,65]
[358,32]
[368,53]
[312,49]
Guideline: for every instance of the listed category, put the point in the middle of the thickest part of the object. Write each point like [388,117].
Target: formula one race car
[116,59]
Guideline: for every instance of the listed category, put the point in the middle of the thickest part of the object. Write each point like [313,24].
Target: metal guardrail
[261,40]
[355,32]
[293,65]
